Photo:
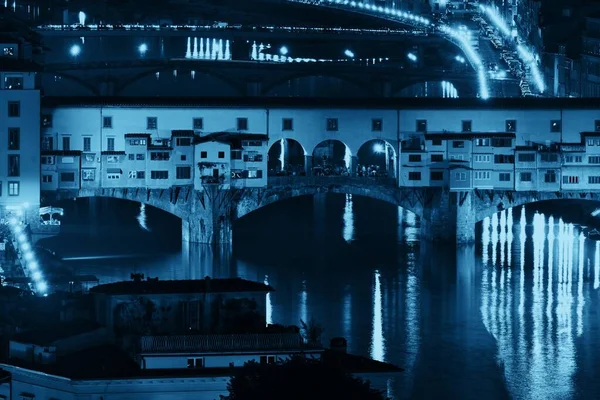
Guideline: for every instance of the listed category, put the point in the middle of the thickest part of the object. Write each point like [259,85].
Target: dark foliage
[298,378]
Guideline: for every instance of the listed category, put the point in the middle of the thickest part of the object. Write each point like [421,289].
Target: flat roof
[48,335]
[206,285]
[310,103]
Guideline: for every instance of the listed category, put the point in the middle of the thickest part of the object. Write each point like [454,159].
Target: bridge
[245,78]
[208,215]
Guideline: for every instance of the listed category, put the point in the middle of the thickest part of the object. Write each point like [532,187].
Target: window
[437,157]
[482,158]
[236,154]
[525,176]
[482,175]
[504,159]
[46,178]
[141,174]
[13,82]
[502,142]
[597,125]
[151,123]
[287,124]
[255,174]
[332,124]
[414,158]
[504,176]
[87,144]
[511,125]
[421,125]
[377,125]
[47,121]
[88,174]
[594,160]
[107,122]
[573,159]
[48,160]
[14,188]
[14,138]
[549,157]
[140,157]
[66,143]
[458,144]
[195,363]
[253,157]
[485,142]
[183,172]
[590,142]
[436,142]
[198,124]
[131,157]
[467,125]
[183,141]
[14,109]
[14,165]
[414,176]
[160,156]
[137,142]
[67,176]
[555,126]
[242,124]
[455,157]
[183,157]
[159,174]
[47,143]
[203,154]
[110,144]
[221,154]
[437,175]
[526,157]
[550,176]
[460,176]
[571,180]
[594,180]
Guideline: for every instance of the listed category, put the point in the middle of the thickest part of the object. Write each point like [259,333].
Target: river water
[513,317]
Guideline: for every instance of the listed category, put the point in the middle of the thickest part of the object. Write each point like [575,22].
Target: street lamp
[143,48]
[378,148]
[412,57]
[349,53]
[283,50]
[75,50]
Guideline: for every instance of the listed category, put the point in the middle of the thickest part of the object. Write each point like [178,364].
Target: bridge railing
[330,180]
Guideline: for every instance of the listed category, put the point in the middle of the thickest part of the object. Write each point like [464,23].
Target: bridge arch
[433,88]
[332,157]
[226,87]
[308,84]
[377,157]
[286,157]
[49,80]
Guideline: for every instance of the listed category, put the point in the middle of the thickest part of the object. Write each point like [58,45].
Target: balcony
[223,343]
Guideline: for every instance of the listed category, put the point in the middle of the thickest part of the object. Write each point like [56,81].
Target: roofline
[311,103]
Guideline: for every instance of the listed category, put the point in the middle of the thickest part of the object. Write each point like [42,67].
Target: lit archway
[332,158]
[376,158]
[287,157]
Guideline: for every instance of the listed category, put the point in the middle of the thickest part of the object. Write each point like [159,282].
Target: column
[308,165]
[353,166]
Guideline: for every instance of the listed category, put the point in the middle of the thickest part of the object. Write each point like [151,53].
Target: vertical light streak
[282,154]
[304,303]
[495,224]
[347,158]
[597,266]
[348,219]
[580,298]
[485,240]
[268,305]
[347,313]
[377,339]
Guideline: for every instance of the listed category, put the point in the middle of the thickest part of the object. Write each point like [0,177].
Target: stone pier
[451,219]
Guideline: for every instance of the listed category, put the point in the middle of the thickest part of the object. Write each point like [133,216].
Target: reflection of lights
[141,218]
[377,339]
[580,298]
[494,226]
[485,240]
[347,157]
[347,313]
[268,305]
[304,303]
[348,219]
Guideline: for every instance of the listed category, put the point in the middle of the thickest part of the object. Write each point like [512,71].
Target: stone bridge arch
[311,83]
[184,72]
[286,156]
[49,79]
[434,87]
[378,152]
[333,154]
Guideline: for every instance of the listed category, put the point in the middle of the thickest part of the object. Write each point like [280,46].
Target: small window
[421,125]
[414,176]
[332,124]
[151,123]
[436,142]
[511,125]
[107,122]
[504,177]
[14,138]
[198,124]
[555,126]
[14,165]
[46,178]
[597,125]
[87,144]
[203,154]
[66,143]
[414,158]
[467,125]
[437,175]
[110,144]
[221,154]
[242,124]
[183,172]
[377,125]
[437,157]
[14,188]
[458,144]
[183,157]
[14,109]
[525,176]
[13,82]
[47,121]
[287,124]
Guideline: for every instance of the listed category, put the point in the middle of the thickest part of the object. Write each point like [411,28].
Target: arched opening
[443,89]
[287,157]
[376,158]
[309,85]
[332,158]
[101,227]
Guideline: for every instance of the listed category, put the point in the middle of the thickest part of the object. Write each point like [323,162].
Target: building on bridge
[159,151]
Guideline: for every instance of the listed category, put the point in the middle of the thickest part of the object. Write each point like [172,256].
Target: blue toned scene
[299,199]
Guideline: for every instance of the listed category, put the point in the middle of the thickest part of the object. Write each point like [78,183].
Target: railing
[329,180]
[209,343]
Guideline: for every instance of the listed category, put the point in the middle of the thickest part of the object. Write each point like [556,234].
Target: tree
[298,378]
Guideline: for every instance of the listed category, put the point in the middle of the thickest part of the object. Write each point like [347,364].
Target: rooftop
[312,103]
[206,285]
[49,335]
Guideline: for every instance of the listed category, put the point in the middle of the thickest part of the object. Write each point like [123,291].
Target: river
[488,321]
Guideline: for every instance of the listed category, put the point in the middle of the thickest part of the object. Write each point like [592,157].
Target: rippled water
[514,317]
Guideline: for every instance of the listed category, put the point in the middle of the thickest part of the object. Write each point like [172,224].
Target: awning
[114,171]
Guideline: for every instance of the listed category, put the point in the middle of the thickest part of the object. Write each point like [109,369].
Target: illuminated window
[88,174]
[14,188]
[13,82]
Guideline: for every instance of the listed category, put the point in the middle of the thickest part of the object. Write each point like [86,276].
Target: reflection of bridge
[207,216]
[248,78]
